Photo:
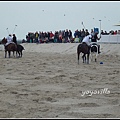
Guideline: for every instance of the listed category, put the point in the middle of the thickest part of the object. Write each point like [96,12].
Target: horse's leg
[92,56]
[78,56]
[13,54]
[88,58]
[84,58]
[96,57]
[21,53]
[16,54]
[9,53]
[5,53]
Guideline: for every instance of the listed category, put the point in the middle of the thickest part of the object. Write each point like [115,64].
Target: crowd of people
[62,36]
[65,36]
[111,32]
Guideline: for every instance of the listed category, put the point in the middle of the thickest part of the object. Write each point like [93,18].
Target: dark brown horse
[83,48]
[20,48]
[8,48]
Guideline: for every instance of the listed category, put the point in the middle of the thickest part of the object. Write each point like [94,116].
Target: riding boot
[99,49]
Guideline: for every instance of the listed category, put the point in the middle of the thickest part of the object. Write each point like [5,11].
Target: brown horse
[83,48]
[20,48]
[8,48]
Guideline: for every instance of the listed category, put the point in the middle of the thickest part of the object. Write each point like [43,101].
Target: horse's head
[4,41]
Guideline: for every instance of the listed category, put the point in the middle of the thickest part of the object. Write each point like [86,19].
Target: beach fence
[110,39]
[1,47]
[104,39]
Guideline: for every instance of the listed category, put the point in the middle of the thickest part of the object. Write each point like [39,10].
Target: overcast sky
[22,17]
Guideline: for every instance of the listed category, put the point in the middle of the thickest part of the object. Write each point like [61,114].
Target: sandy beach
[47,82]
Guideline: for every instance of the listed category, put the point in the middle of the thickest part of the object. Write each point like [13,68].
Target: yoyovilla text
[91,92]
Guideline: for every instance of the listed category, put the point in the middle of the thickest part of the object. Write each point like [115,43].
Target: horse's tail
[23,48]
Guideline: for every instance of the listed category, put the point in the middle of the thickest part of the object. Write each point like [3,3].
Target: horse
[94,51]
[8,48]
[83,48]
[20,48]
[12,47]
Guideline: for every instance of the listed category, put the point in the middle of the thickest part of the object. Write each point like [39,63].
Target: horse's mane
[4,41]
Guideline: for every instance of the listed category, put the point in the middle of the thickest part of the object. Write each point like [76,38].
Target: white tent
[117,25]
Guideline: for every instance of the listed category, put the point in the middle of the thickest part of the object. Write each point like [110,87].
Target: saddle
[94,44]
[84,43]
[9,43]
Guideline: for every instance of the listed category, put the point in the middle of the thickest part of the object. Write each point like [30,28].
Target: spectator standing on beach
[14,39]
[76,33]
[36,37]
[60,36]
[82,34]
[70,35]
[51,39]
[92,32]
[56,37]
[118,32]
[66,35]
[102,33]
[86,32]
[77,39]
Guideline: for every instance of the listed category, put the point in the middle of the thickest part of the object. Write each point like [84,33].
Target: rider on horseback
[94,39]
[14,39]
[87,40]
[9,39]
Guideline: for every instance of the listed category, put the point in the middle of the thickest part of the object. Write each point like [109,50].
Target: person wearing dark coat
[14,39]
